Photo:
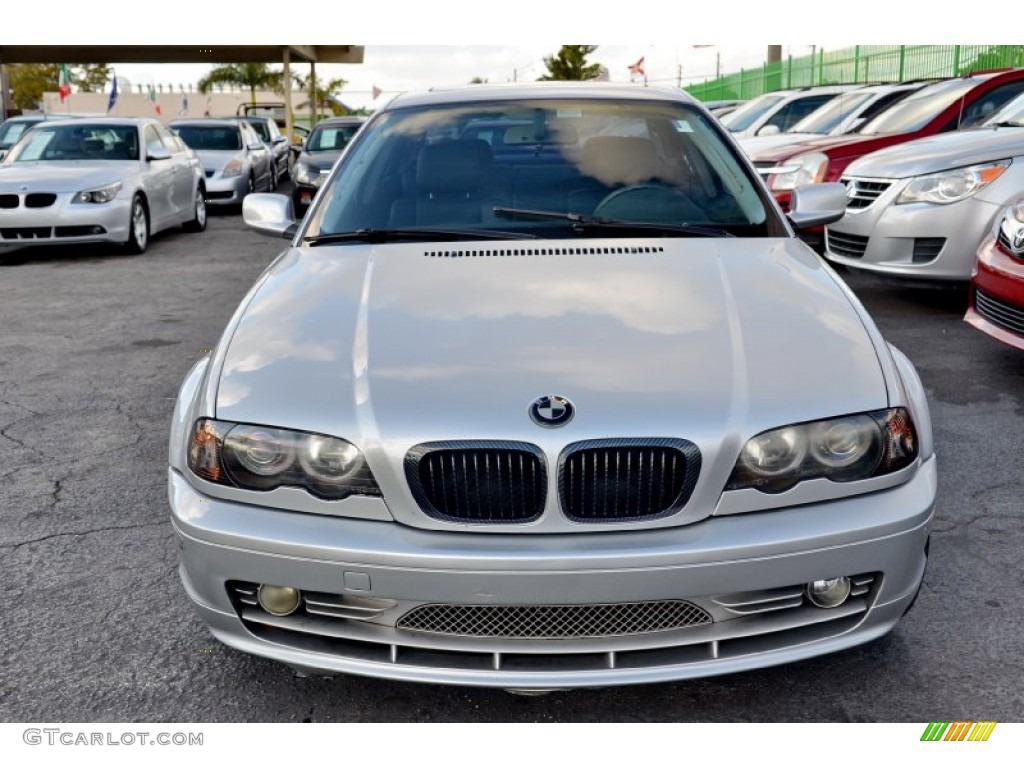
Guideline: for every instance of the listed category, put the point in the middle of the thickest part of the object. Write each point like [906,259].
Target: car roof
[537,90]
[123,121]
[341,121]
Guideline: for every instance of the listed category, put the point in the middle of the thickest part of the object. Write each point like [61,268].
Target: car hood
[754,145]
[63,176]
[216,159]
[937,153]
[321,160]
[393,345]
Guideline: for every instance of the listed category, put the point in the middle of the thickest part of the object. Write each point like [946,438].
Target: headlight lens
[307,174]
[263,458]
[951,186]
[842,450]
[99,195]
[233,168]
[811,169]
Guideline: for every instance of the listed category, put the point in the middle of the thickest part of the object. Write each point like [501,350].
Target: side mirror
[279,139]
[815,205]
[158,153]
[768,130]
[271,215]
[256,145]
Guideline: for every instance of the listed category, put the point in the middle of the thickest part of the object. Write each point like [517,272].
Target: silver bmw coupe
[545,393]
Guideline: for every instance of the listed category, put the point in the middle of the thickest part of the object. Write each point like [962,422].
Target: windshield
[917,110]
[744,116]
[533,167]
[77,142]
[825,118]
[12,130]
[1011,114]
[330,138]
[213,137]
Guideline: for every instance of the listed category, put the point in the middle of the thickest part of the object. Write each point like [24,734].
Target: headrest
[93,146]
[619,159]
[452,167]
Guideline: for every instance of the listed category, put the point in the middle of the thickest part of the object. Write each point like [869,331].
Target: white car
[104,180]
[778,111]
[543,392]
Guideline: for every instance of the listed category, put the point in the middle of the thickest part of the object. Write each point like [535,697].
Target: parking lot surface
[97,627]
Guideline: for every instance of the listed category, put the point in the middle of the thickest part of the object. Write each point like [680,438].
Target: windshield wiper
[1006,124]
[430,235]
[581,223]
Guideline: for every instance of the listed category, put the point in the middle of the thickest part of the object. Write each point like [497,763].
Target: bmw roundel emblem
[552,411]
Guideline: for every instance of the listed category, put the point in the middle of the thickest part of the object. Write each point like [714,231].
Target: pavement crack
[20,544]
[952,525]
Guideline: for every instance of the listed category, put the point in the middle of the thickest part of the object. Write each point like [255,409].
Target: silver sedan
[235,159]
[112,180]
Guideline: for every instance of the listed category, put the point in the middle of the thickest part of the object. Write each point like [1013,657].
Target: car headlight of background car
[807,169]
[842,450]
[98,195]
[262,458]
[308,174]
[953,185]
[233,168]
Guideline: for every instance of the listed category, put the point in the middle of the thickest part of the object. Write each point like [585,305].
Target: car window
[260,128]
[984,106]
[630,161]
[78,142]
[1011,114]
[152,139]
[797,110]
[830,114]
[884,102]
[210,137]
[330,138]
[172,142]
[919,109]
[745,116]
[12,130]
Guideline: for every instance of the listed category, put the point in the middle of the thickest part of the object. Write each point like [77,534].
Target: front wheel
[273,176]
[198,221]
[138,227]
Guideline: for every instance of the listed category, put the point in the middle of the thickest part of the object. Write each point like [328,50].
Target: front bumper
[66,222]
[226,191]
[709,564]
[932,242]
[997,295]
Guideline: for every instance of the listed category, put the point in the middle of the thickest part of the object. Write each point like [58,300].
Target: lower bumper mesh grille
[1000,313]
[554,621]
[841,244]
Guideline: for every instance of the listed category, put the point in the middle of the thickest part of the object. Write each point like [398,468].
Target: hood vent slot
[609,250]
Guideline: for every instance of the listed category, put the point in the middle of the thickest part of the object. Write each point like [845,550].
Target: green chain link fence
[860,64]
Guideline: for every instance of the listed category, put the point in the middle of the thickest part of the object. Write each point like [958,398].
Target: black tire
[198,222]
[273,176]
[138,227]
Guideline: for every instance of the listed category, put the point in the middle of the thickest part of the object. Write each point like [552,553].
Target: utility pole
[679,75]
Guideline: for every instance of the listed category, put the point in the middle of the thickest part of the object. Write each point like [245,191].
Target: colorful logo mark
[958,731]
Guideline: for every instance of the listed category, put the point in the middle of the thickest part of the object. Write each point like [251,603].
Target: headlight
[810,169]
[307,174]
[951,186]
[263,458]
[233,168]
[98,195]
[842,450]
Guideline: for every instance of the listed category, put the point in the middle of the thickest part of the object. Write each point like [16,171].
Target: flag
[64,82]
[206,111]
[156,104]
[376,92]
[113,95]
[638,68]
[184,105]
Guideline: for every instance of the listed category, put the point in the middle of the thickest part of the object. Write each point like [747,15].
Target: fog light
[279,601]
[829,593]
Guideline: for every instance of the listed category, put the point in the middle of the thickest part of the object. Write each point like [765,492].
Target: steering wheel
[649,202]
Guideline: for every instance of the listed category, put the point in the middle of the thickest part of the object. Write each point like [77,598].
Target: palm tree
[325,90]
[251,76]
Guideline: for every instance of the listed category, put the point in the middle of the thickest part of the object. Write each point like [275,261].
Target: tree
[570,63]
[251,76]
[30,81]
[325,90]
[478,81]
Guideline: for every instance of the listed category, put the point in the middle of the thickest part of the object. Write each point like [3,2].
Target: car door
[184,174]
[258,155]
[159,180]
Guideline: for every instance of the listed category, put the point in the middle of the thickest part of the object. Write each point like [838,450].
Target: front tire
[198,222]
[138,227]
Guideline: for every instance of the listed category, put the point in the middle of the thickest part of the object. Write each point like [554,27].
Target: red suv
[944,106]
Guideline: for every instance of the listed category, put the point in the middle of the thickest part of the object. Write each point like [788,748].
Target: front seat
[450,178]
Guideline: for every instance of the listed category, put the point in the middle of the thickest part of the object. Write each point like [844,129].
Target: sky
[446,42]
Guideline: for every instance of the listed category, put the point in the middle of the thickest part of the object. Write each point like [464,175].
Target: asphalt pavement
[96,627]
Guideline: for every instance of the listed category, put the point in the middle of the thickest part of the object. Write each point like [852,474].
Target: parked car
[842,114]
[108,180]
[235,160]
[536,420]
[949,105]
[275,142]
[12,128]
[997,285]
[920,209]
[321,151]
[779,111]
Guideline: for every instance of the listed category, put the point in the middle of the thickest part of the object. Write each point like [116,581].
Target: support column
[5,93]
[312,91]
[286,77]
